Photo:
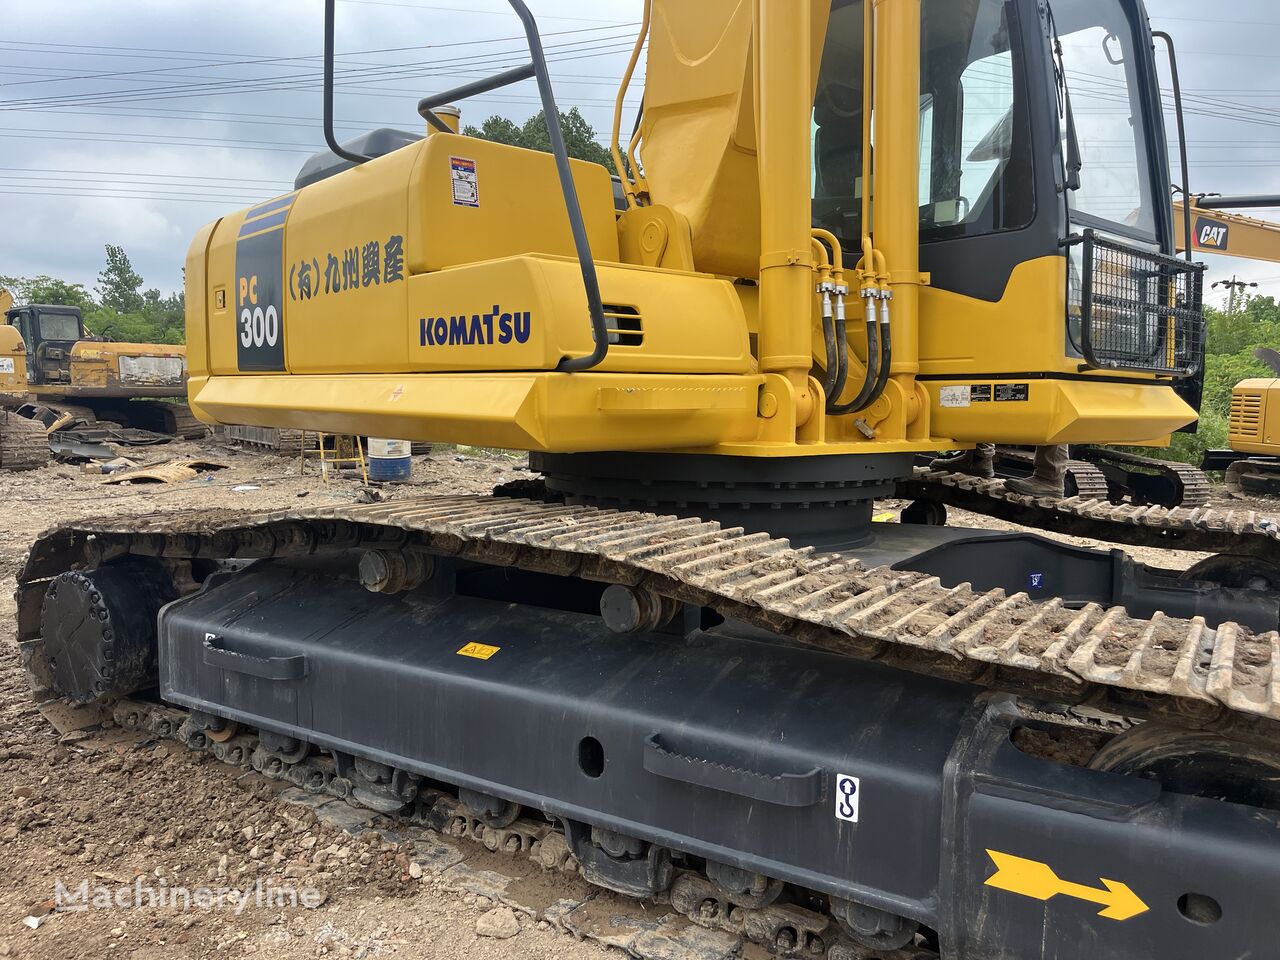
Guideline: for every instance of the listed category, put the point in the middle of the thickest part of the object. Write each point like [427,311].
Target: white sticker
[848,797]
[6,364]
[954,396]
[466,184]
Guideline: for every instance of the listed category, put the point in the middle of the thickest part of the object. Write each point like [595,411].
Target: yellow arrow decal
[1030,878]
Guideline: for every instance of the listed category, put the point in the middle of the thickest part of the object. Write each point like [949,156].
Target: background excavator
[55,374]
[1252,464]
[686,663]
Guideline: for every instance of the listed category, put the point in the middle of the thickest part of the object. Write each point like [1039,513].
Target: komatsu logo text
[477,329]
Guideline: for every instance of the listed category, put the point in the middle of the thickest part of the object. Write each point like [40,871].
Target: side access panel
[739,748]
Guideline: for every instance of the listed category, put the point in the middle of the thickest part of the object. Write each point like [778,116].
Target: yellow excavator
[1252,465]
[686,663]
[23,443]
[57,374]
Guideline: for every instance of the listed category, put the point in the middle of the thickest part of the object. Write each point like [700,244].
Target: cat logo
[1211,235]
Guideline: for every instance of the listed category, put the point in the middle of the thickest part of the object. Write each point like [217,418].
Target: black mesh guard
[1139,310]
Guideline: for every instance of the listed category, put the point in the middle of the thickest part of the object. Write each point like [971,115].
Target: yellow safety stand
[344,449]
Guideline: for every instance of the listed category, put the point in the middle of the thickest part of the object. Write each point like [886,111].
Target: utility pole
[1236,286]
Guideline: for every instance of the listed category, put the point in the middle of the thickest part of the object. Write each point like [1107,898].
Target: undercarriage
[889,741]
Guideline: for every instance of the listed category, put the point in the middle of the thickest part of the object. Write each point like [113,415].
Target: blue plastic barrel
[390,461]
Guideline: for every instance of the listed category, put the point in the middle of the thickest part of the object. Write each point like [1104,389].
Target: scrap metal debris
[171,471]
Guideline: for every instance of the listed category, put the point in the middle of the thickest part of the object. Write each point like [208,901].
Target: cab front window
[59,326]
[1112,187]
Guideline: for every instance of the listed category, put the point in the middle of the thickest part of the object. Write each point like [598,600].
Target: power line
[573,50]
[228,60]
[212,201]
[160,186]
[123,173]
[472,10]
[1220,21]
[95,137]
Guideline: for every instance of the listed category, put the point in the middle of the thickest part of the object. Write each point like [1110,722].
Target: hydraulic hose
[871,269]
[842,353]
[839,336]
[871,378]
[886,349]
[822,268]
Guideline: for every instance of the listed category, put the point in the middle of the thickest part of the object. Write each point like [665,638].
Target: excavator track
[1200,529]
[24,444]
[174,419]
[1083,479]
[1255,477]
[783,928]
[276,440]
[1181,672]
[1144,480]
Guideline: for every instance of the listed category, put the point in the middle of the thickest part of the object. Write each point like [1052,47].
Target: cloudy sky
[137,128]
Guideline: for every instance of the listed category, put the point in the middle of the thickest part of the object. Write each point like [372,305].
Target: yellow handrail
[615,146]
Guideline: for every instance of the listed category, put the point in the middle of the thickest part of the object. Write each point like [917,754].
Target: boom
[1216,230]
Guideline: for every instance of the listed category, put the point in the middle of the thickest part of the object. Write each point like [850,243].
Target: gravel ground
[120,813]
[130,816]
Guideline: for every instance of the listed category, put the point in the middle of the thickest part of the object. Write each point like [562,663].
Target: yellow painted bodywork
[1254,425]
[710,286]
[95,369]
[116,370]
[1229,234]
[13,362]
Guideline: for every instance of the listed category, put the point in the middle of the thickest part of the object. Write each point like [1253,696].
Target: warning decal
[478,651]
[466,185]
[6,364]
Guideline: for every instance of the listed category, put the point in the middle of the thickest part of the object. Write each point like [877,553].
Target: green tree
[579,136]
[1231,340]
[119,285]
[167,313]
[126,312]
[48,290]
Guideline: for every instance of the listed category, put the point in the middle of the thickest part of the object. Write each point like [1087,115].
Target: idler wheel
[99,629]
[1196,763]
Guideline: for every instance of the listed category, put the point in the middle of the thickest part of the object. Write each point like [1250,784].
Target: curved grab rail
[535,69]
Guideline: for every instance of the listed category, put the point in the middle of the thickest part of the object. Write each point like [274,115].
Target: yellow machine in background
[53,368]
[1253,426]
[1216,230]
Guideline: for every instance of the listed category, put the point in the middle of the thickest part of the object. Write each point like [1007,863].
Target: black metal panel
[1097,829]
[941,783]
[383,678]
[375,143]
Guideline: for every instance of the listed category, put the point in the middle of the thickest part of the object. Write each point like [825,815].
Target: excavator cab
[1036,122]
[50,333]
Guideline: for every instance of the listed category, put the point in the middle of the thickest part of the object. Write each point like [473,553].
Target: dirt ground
[139,816]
